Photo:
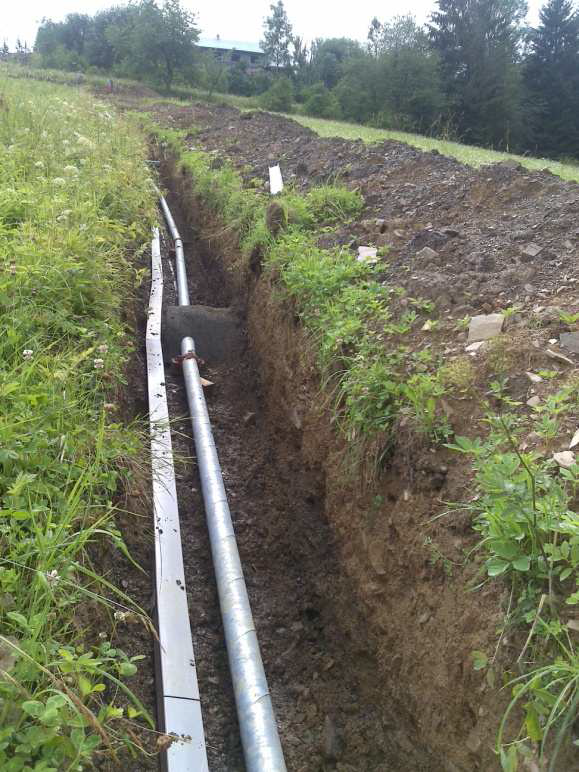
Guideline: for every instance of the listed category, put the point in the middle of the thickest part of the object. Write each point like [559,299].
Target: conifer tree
[477,41]
[552,79]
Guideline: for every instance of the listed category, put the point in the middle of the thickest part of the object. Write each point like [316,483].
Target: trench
[332,707]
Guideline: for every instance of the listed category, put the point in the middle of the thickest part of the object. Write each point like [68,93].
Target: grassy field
[76,202]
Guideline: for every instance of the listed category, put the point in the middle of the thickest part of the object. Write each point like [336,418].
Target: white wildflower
[27,353]
[13,269]
[44,135]
[99,364]
[120,616]
[85,142]
[59,181]
[103,348]
[39,164]
[52,577]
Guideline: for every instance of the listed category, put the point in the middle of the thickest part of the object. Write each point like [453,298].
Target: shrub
[321,103]
[279,96]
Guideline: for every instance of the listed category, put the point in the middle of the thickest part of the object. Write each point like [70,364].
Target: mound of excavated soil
[502,235]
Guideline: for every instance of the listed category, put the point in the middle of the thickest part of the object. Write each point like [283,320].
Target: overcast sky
[232,19]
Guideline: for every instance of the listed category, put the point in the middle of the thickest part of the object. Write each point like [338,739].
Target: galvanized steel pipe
[181,270]
[259,735]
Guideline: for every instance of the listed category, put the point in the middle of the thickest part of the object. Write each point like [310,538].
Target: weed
[529,533]
[459,374]
[462,324]
[569,319]
[421,393]
[436,557]
[330,203]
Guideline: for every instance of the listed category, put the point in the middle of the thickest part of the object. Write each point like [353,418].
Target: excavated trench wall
[421,624]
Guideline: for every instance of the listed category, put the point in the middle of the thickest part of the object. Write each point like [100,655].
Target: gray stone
[485,326]
[426,253]
[532,250]
[570,340]
[566,458]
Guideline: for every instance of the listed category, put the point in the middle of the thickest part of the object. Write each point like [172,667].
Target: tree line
[475,72]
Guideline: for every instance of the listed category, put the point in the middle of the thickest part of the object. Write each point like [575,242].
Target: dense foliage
[142,39]
[475,73]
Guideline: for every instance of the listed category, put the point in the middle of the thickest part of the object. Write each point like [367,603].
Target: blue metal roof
[229,45]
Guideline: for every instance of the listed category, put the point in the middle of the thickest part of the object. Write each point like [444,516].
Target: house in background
[234,51]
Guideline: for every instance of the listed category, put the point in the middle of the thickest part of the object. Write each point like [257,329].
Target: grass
[76,202]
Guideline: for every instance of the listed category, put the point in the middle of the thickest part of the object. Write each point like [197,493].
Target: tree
[477,41]
[357,90]
[98,48]
[213,74]
[410,90]
[403,32]
[150,38]
[277,36]
[279,96]
[300,54]
[552,79]
[374,44]
[157,41]
[62,44]
[240,82]
[329,58]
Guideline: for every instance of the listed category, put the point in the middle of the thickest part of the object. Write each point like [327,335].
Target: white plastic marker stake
[275,180]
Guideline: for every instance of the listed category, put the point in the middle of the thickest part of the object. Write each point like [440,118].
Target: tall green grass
[76,204]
